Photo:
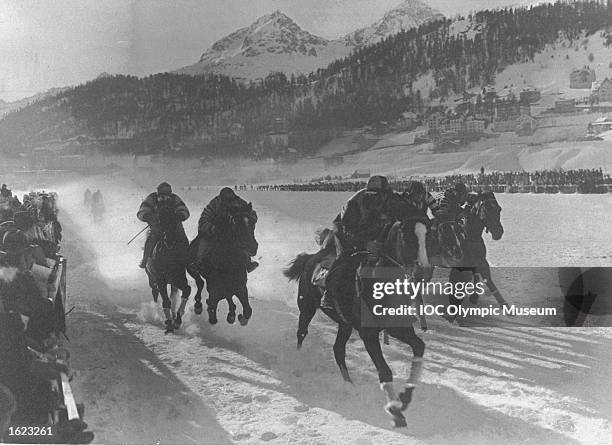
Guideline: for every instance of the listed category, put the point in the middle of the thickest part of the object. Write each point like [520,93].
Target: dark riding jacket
[448,207]
[217,213]
[149,210]
[365,215]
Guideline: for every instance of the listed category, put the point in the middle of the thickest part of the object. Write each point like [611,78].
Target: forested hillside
[214,114]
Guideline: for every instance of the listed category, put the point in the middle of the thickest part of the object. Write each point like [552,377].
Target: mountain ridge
[276,43]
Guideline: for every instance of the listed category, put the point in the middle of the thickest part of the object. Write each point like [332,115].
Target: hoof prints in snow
[250,403]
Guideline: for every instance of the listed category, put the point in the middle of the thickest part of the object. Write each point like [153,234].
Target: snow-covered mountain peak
[409,14]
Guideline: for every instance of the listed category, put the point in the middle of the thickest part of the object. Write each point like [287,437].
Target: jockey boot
[252,265]
[143,263]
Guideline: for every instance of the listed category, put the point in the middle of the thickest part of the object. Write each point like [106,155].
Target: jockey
[212,219]
[149,213]
[361,224]
[418,199]
[451,203]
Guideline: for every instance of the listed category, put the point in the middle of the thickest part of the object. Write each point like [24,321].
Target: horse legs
[342,337]
[185,292]
[197,308]
[454,277]
[422,319]
[247,311]
[393,407]
[408,336]
[167,306]
[231,314]
[485,271]
[308,301]
[211,302]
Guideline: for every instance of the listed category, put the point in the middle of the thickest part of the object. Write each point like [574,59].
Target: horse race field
[226,383]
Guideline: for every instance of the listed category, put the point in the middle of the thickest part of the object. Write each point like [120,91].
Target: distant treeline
[213,114]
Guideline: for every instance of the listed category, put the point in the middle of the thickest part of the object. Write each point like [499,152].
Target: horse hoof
[197,308]
[243,320]
[169,327]
[394,410]
[212,317]
[178,321]
[231,318]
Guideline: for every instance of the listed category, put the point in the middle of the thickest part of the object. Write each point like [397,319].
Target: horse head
[242,227]
[488,210]
[169,224]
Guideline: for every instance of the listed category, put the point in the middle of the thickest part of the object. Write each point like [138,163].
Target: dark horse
[404,249]
[167,266]
[484,213]
[225,267]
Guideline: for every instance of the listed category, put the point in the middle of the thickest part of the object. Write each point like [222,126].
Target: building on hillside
[279,139]
[529,95]
[407,121]
[361,173]
[503,126]
[565,106]
[455,125]
[446,144]
[474,126]
[435,122]
[599,126]
[582,78]
[526,125]
[602,91]
[489,93]
[507,110]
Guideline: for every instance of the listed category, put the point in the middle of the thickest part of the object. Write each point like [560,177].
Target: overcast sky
[53,43]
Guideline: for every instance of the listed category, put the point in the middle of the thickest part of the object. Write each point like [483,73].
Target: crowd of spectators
[551,181]
[33,361]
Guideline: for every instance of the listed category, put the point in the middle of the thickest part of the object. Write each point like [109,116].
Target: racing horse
[445,240]
[483,213]
[404,250]
[225,266]
[167,266]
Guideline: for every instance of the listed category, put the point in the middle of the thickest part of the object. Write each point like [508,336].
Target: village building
[582,78]
[602,91]
[529,95]
[526,125]
[565,106]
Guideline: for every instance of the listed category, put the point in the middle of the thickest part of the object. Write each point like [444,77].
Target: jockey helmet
[227,194]
[164,188]
[14,242]
[377,184]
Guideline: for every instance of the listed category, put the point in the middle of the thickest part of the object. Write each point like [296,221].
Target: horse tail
[297,267]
